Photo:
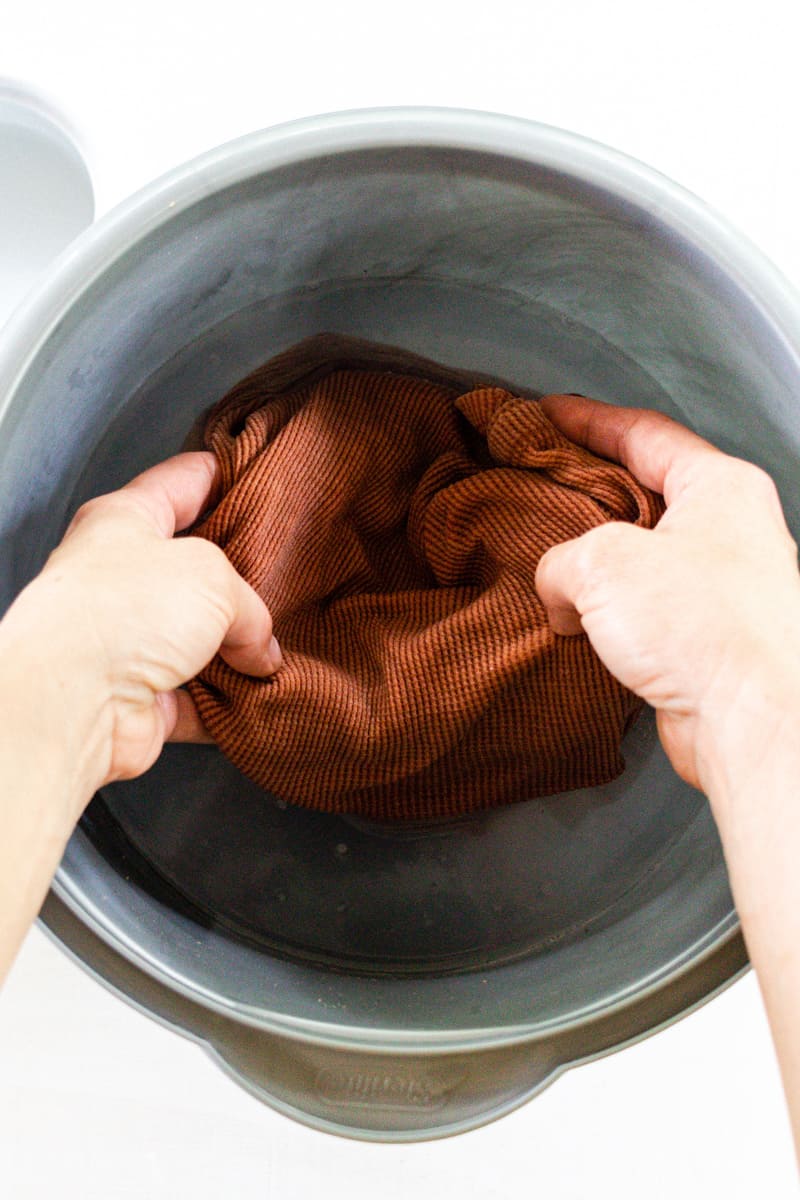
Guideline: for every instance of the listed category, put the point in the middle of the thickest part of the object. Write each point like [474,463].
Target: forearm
[92,657]
[46,748]
[33,837]
[754,790]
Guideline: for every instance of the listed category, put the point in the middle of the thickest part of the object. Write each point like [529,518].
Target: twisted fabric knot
[391,513]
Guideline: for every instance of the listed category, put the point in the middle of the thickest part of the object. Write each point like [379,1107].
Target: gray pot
[372,981]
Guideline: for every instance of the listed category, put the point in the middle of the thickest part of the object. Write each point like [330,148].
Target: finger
[573,577]
[556,583]
[186,724]
[555,586]
[660,452]
[175,492]
[249,645]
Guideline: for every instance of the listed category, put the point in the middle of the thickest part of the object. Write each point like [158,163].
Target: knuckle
[93,521]
[630,431]
[95,514]
[755,479]
[208,561]
[766,486]
[207,557]
[205,566]
[602,551]
[90,509]
[607,540]
[643,425]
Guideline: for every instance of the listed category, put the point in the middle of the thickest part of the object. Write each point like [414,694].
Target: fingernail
[274,653]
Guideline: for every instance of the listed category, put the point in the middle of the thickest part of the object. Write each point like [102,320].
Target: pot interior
[478,261]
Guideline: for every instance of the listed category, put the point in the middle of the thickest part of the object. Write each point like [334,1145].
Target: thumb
[576,576]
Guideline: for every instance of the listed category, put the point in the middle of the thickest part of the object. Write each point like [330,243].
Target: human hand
[128,613]
[699,616]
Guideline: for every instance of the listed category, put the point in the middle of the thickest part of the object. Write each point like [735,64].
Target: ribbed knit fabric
[392,519]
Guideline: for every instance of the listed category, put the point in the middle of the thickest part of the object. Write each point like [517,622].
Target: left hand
[125,613]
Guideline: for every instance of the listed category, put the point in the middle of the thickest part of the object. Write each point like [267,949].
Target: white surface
[97,1101]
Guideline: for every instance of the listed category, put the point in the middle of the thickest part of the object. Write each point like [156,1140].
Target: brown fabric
[391,513]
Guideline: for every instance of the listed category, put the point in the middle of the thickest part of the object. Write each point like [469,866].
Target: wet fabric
[391,513]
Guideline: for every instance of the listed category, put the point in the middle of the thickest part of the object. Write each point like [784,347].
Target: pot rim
[542,146]
[720,944]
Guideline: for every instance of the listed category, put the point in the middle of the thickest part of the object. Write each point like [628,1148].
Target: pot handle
[401,1097]
[398,1097]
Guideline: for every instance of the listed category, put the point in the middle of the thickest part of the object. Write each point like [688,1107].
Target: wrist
[749,735]
[56,719]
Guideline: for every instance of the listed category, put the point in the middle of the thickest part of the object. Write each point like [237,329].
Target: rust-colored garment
[392,519]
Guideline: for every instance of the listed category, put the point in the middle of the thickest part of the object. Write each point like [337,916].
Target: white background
[95,1100]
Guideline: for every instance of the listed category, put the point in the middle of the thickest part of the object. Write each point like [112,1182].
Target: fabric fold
[391,513]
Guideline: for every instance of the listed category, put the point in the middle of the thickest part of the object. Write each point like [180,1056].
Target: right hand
[699,616]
